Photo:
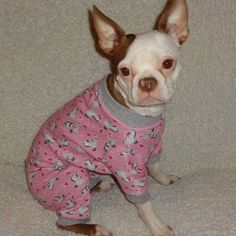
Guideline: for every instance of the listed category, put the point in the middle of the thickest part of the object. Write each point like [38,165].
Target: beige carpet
[47,57]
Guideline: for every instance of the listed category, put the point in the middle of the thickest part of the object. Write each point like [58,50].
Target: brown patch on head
[121,51]
[111,42]
[118,55]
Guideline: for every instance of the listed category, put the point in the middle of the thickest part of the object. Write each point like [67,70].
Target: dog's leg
[158,175]
[86,229]
[153,223]
[105,185]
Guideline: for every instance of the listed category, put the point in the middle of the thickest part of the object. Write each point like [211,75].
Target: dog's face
[146,65]
[146,75]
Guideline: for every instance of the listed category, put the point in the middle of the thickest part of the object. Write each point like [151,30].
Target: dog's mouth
[151,101]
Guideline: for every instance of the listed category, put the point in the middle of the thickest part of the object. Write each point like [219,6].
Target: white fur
[153,223]
[145,56]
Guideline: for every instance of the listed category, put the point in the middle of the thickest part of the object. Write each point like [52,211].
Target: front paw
[161,177]
[165,231]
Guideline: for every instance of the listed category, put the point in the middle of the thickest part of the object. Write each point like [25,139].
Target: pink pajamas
[82,141]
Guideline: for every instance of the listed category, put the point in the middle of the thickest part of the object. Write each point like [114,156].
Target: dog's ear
[109,34]
[174,20]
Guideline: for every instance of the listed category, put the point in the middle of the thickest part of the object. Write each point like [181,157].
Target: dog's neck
[116,94]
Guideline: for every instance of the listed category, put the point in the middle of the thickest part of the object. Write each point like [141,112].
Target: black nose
[148,84]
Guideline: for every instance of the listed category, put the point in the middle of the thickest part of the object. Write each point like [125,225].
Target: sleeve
[134,184]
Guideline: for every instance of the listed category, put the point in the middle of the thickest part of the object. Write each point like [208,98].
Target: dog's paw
[100,231]
[165,231]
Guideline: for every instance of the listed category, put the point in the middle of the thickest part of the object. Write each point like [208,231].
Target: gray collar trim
[123,113]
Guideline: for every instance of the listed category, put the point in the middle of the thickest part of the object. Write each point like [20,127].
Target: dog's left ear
[174,20]
[109,34]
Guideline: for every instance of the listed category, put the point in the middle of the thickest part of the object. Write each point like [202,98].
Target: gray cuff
[153,159]
[139,199]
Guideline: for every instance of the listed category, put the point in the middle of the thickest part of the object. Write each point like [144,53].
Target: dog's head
[145,66]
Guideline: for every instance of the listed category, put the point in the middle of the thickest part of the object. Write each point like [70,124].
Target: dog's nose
[148,84]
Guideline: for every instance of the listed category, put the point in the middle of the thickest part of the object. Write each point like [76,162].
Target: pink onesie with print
[84,140]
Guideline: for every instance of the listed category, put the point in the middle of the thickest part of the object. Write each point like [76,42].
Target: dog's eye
[124,71]
[168,64]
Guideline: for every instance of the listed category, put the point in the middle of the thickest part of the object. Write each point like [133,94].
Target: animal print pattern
[81,141]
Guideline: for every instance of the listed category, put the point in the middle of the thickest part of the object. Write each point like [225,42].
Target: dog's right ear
[109,34]
[174,20]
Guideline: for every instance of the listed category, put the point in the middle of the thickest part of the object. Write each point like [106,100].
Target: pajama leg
[76,203]
[66,193]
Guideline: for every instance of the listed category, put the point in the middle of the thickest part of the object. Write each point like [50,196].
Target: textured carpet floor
[47,57]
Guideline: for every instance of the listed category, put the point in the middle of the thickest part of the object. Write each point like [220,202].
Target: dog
[114,127]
